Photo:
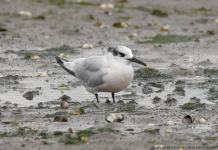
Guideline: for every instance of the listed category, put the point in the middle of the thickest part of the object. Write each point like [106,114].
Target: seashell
[110,6]
[150,125]
[187,119]
[35,57]
[114,118]
[170,123]
[202,120]
[64,105]
[103,6]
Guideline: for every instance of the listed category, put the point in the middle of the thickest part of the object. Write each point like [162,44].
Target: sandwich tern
[108,73]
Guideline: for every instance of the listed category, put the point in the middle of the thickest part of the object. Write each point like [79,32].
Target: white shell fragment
[110,6]
[61,55]
[64,105]
[202,120]
[133,35]
[168,131]
[150,125]
[114,118]
[158,146]
[42,74]
[25,13]
[103,6]
[170,123]
[88,46]
[35,57]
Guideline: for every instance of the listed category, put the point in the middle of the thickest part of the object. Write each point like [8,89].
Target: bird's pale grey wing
[61,63]
[92,71]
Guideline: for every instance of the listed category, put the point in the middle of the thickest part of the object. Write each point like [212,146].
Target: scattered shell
[185,29]
[202,120]
[158,146]
[35,57]
[75,111]
[150,125]
[60,119]
[187,119]
[110,6]
[114,118]
[175,123]
[57,133]
[88,46]
[61,55]
[168,131]
[170,123]
[115,109]
[84,138]
[64,105]
[70,130]
[164,27]
[181,148]
[44,74]
[216,20]
[199,78]
[103,6]
[121,24]
[25,13]
[133,35]
[108,13]
[123,134]
[194,121]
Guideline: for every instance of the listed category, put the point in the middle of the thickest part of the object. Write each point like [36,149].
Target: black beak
[137,61]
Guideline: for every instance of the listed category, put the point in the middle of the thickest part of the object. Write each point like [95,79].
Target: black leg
[113,97]
[96,95]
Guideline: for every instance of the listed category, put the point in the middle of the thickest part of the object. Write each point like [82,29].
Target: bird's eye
[122,55]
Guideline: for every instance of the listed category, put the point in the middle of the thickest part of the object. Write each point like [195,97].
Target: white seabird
[109,73]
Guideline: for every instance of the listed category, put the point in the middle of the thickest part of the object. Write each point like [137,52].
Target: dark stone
[129,129]
[195,100]
[179,91]
[120,101]
[28,96]
[65,98]
[60,119]
[156,100]
[108,101]
[187,119]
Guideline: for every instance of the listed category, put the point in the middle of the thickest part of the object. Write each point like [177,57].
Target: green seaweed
[82,111]
[211,138]
[3,134]
[128,107]
[212,94]
[152,131]
[88,18]
[62,85]
[213,147]
[197,138]
[202,20]
[183,140]
[44,53]
[164,39]
[108,130]
[50,115]
[141,113]
[191,106]
[154,142]
[150,73]
[74,140]
[210,73]
[87,133]
[201,9]
[84,3]
[125,18]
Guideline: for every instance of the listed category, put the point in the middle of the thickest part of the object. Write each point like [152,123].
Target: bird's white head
[123,53]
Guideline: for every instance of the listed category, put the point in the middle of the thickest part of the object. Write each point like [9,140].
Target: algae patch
[150,73]
[191,106]
[167,39]
[108,130]
[152,131]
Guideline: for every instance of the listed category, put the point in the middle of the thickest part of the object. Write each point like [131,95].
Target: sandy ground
[186,52]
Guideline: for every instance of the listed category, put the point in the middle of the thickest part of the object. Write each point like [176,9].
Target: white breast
[119,76]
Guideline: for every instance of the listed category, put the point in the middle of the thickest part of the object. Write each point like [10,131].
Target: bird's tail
[61,63]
